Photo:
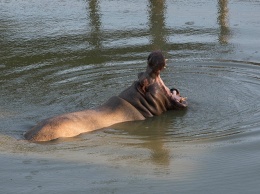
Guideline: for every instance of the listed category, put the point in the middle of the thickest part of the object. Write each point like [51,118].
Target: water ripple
[223,102]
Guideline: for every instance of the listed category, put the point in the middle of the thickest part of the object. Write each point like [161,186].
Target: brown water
[63,56]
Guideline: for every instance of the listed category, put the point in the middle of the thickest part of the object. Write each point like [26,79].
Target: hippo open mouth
[177,100]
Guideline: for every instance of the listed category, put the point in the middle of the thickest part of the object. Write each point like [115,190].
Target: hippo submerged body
[146,97]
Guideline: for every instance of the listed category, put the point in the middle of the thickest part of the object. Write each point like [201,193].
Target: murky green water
[64,56]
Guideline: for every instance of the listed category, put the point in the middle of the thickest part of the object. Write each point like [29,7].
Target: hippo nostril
[174,89]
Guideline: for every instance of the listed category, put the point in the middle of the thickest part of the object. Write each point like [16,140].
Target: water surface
[64,56]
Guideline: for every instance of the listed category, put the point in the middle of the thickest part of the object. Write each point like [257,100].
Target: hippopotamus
[148,96]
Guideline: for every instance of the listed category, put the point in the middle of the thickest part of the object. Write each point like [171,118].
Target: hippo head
[149,94]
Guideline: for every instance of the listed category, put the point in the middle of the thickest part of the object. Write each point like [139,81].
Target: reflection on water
[157,25]
[95,24]
[152,133]
[62,56]
[224,35]
[90,35]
